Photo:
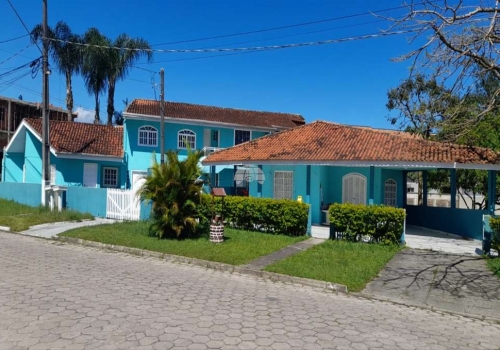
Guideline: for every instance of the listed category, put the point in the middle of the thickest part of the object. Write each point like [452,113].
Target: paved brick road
[55,296]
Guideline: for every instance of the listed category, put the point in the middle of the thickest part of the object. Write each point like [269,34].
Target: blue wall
[463,222]
[13,167]
[29,194]
[87,200]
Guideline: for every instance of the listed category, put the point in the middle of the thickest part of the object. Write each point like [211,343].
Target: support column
[259,181]
[425,189]
[234,180]
[212,177]
[492,191]
[308,199]
[453,188]
[405,188]
[9,120]
[371,187]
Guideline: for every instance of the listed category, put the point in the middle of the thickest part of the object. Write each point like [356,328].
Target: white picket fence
[122,205]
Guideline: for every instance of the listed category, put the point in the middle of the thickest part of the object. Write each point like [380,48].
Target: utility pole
[45,105]
[162,116]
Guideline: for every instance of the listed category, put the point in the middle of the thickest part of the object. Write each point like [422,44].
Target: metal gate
[122,205]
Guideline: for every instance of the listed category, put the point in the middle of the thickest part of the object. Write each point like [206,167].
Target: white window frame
[116,185]
[345,191]
[282,193]
[234,136]
[53,174]
[391,193]
[184,137]
[149,134]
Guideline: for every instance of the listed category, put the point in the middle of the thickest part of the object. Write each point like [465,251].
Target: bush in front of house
[376,223]
[495,227]
[279,216]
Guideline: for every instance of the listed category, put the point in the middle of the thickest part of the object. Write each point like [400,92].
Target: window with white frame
[390,193]
[53,174]
[186,139]
[110,177]
[241,136]
[283,185]
[354,189]
[148,136]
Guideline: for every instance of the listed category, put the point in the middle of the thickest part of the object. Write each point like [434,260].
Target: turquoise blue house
[324,163]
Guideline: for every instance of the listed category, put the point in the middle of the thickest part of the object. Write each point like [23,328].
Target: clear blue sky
[344,82]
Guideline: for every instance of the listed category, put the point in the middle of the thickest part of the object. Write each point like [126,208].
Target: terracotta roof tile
[216,114]
[71,137]
[328,142]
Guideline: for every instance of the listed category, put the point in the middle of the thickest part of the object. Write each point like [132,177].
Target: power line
[283,27]
[24,25]
[15,54]
[256,48]
[13,39]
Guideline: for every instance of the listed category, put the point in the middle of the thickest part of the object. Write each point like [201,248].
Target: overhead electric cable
[24,25]
[13,39]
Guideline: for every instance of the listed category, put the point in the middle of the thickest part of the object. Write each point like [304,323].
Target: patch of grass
[20,217]
[347,263]
[494,265]
[239,247]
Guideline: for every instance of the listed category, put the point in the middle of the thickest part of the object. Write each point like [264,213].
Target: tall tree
[120,61]
[66,56]
[460,44]
[96,65]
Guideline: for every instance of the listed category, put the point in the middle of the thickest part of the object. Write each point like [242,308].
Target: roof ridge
[212,106]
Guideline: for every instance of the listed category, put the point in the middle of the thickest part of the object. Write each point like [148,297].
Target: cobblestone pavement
[59,296]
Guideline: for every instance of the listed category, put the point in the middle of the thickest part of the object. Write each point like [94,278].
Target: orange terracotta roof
[216,114]
[328,142]
[72,137]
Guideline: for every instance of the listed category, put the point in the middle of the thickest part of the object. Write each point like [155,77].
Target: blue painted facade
[28,194]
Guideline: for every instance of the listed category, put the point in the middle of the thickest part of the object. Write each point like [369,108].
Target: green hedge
[376,223]
[258,214]
[495,227]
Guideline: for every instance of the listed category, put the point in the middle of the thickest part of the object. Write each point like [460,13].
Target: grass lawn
[350,264]
[240,247]
[494,265]
[20,217]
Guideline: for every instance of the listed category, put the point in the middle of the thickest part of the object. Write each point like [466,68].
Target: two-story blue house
[102,156]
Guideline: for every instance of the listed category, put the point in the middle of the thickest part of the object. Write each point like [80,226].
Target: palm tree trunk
[97,119]
[69,95]
[111,100]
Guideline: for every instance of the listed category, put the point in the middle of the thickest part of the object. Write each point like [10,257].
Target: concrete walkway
[263,261]
[449,282]
[53,229]
[422,238]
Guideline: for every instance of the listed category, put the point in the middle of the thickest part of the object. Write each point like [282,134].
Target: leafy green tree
[95,65]
[174,193]
[120,61]
[67,57]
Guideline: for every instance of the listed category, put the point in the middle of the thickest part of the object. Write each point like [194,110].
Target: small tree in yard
[171,188]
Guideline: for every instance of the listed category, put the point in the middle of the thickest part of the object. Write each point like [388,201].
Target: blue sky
[343,82]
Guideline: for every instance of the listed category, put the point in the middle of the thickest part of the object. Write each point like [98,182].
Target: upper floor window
[148,136]
[215,136]
[390,193]
[186,139]
[354,189]
[241,136]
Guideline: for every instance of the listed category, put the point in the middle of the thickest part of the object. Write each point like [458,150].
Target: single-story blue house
[326,163]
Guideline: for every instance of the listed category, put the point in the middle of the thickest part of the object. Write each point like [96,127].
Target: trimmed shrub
[281,216]
[495,227]
[376,223]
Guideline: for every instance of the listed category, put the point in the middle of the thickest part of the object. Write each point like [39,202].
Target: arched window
[148,136]
[186,139]
[390,193]
[354,189]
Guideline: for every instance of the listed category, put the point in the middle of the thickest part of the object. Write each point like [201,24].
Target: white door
[354,189]
[207,137]
[89,175]
[138,179]
[53,174]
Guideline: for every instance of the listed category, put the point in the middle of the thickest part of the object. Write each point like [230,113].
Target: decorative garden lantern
[217,222]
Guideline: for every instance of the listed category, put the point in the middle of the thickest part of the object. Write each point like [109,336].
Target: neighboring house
[85,155]
[13,111]
[191,126]
[331,163]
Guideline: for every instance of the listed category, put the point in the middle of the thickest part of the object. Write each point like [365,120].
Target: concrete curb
[275,277]
[362,295]
[5,228]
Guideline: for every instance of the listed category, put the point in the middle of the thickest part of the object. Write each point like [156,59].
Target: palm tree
[96,65]
[120,61]
[174,192]
[67,56]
